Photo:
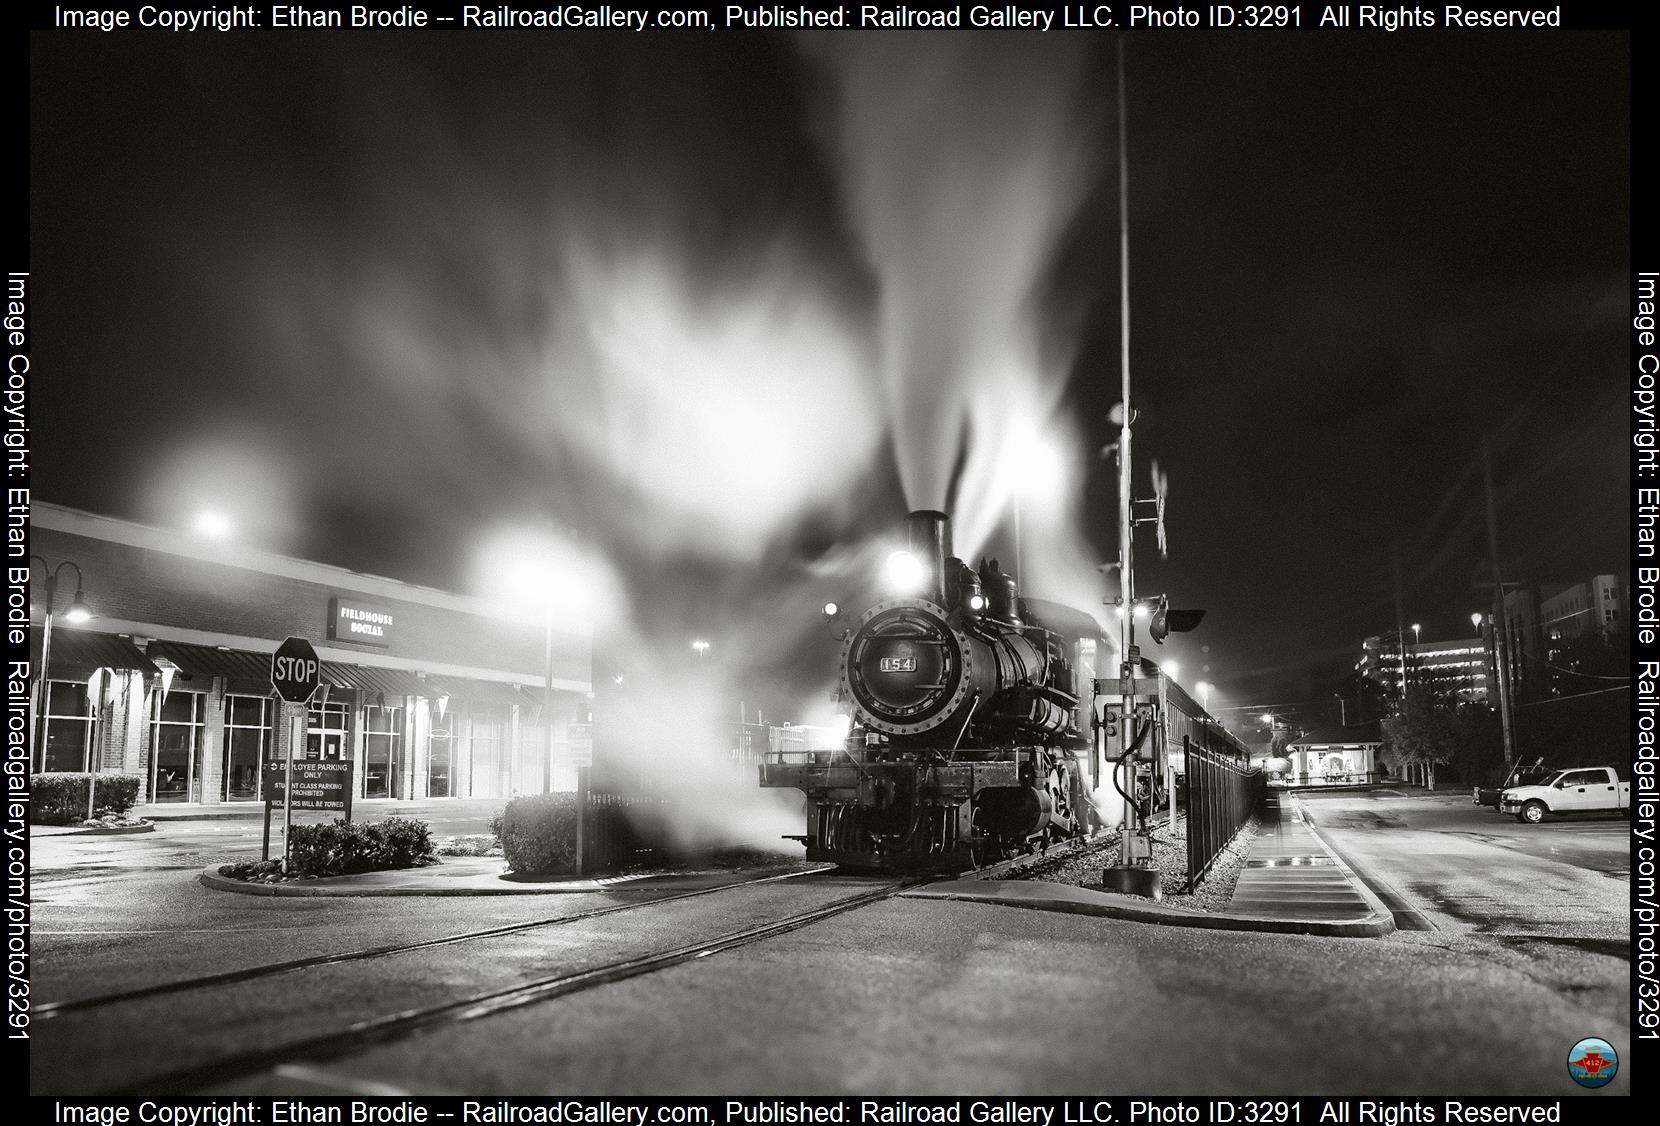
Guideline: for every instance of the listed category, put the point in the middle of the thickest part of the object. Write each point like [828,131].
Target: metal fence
[1221,796]
[620,831]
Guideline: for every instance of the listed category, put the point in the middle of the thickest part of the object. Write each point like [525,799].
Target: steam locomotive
[971,735]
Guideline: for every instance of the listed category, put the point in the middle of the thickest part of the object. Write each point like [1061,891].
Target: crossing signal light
[1166,621]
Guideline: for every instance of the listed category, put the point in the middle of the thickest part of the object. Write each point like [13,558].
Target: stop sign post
[295,674]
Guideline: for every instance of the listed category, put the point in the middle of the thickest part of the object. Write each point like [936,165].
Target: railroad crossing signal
[295,670]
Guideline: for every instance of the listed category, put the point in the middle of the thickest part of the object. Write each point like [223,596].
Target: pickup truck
[1522,775]
[1595,789]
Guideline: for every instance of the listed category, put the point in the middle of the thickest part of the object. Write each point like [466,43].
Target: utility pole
[1134,872]
[1501,645]
[1126,516]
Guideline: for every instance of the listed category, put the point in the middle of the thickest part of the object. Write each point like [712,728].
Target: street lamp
[702,647]
[212,524]
[77,612]
[1342,708]
[532,577]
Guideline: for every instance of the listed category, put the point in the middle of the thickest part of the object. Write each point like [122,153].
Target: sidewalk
[371,809]
[1291,875]
[1290,883]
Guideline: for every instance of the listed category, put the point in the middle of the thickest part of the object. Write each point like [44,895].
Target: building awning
[76,654]
[204,662]
[481,693]
[370,682]
[252,671]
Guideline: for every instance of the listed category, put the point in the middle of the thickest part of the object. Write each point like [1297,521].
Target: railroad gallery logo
[1593,1062]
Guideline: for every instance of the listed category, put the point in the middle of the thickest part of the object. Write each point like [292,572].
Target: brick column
[213,744]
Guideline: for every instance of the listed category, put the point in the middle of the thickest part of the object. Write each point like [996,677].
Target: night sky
[714,310]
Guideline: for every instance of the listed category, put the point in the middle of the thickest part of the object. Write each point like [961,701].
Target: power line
[1577,696]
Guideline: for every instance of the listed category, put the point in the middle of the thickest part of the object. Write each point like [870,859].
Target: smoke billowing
[964,160]
[688,306]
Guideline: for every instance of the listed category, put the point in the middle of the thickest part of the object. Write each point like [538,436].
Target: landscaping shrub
[60,799]
[538,833]
[342,847]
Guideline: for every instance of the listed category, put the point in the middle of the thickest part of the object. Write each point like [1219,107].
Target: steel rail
[50,1009]
[356,1036]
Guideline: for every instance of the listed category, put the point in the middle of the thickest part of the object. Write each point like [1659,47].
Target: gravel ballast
[1082,868]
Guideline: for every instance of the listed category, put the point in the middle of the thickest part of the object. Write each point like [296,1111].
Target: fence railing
[623,830]
[1221,797]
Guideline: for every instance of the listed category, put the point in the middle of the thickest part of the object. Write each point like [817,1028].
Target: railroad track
[352,1038]
[50,1009]
[217,1070]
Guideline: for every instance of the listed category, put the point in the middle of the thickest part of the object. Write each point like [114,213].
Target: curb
[88,830]
[1355,881]
[326,886]
[1107,905]
[115,830]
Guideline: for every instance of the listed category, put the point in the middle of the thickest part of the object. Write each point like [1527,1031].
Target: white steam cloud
[965,159]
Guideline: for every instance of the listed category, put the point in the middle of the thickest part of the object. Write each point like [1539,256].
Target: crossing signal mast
[1132,734]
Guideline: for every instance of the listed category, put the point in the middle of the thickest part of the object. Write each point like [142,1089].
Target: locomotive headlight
[905,573]
[977,602]
[831,609]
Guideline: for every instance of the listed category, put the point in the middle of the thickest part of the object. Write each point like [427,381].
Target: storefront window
[326,731]
[247,745]
[438,764]
[70,727]
[383,753]
[176,724]
[489,764]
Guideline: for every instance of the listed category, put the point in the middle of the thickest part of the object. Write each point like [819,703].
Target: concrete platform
[1291,883]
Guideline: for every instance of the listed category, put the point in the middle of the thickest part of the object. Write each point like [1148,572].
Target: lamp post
[547,695]
[1342,708]
[41,701]
[532,577]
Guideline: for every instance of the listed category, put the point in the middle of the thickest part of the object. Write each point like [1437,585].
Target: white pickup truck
[1582,789]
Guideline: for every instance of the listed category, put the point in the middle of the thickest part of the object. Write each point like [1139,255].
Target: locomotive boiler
[970,734]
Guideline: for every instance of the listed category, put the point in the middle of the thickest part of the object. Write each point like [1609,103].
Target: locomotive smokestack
[929,539]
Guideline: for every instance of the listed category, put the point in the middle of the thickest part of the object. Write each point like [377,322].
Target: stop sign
[294,670]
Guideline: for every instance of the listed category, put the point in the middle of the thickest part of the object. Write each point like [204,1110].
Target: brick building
[428,694]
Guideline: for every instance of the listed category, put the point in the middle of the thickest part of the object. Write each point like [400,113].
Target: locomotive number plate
[898,664]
